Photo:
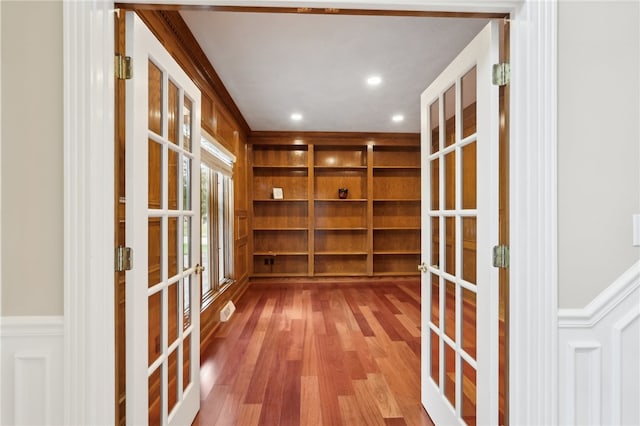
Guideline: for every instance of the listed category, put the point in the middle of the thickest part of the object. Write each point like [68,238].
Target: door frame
[88,41]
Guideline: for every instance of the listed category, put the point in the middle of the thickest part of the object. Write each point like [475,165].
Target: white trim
[604,303]
[598,357]
[533,177]
[32,359]
[88,44]
[533,347]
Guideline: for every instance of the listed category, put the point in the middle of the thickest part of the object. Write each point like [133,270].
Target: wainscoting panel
[599,364]
[32,364]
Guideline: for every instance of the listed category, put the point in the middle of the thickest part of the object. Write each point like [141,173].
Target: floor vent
[227,311]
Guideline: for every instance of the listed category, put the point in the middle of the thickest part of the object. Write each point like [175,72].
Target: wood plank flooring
[317,354]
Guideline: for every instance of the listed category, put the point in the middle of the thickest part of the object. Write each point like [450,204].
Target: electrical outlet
[271,261]
[266,261]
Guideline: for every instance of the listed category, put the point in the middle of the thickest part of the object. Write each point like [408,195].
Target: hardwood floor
[317,354]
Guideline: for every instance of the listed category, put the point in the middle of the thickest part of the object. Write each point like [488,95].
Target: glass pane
[469,322]
[155,326]
[450,181]
[221,201]
[155,98]
[172,113]
[450,245]
[435,242]
[186,362]
[450,116]
[186,243]
[468,393]
[186,129]
[435,299]
[434,112]
[450,374]
[204,230]
[450,310]
[469,176]
[186,308]
[186,184]
[173,238]
[155,391]
[435,184]
[173,181]
[174,312]
[173,384]
[435,357]
[469,249]
[155,250]
[155,175]
[469,103]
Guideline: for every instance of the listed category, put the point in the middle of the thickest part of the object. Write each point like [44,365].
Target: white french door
[459,229]
[162,228]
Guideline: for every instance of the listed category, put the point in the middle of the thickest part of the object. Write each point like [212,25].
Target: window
[216,203]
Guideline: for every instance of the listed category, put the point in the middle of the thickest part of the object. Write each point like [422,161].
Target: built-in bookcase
[313,231]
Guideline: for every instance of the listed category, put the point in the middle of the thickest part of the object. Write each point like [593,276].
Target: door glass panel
[450,245]
[469,249]
[450,116]
[469,103]
[172,113]
[172,238]
[450,310]
[155,98]
[155,175]
[435,242]
[435,299]
[434,113]
[450,373]
[468,393]
[186,128]
[186,362]
[469,322]
[469,176]
[186,183]
[173,176]
[155,392]
[450,181]
[172,378]
[174,312]
[435,184]
[186,243]
[435,357]
[186,308]
[155,326]
[155,250]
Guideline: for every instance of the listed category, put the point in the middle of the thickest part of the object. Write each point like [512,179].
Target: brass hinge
[123,67]
[123,259]
[501,256]
[501,74]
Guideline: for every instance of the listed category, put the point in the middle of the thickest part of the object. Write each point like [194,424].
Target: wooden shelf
[374,231]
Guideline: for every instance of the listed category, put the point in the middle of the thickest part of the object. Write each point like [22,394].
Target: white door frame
[89,180]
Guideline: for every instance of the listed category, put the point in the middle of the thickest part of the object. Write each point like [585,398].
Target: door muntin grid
[452,224]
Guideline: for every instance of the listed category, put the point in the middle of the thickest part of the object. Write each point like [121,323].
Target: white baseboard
[32,370]
[599,357]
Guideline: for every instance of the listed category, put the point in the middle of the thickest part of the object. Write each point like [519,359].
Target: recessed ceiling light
[397,118]
[296,116]
[374,80]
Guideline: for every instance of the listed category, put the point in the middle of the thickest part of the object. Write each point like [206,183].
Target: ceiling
[276,64]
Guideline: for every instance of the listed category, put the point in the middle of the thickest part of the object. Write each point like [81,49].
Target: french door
[460,295]
[162,228]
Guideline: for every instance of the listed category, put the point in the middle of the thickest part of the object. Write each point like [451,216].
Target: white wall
[32,154]
[599,145]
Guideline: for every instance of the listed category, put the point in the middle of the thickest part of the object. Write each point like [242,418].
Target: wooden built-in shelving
[311,231]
